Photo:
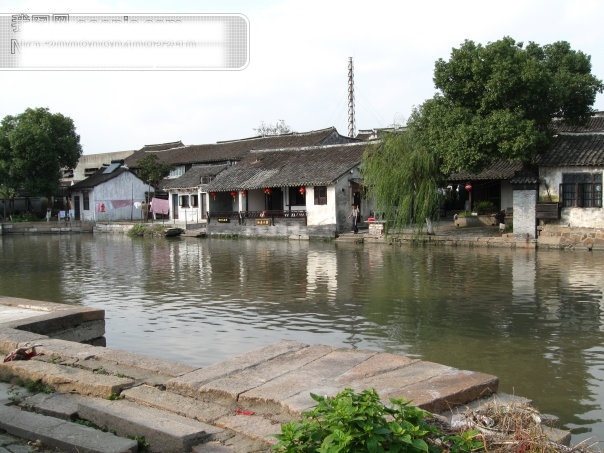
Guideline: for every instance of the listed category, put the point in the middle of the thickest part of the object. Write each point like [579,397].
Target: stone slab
[166,432]
[206,411]
[67,436]
[252,426]
[11,339]
[377,364]
[58,405]
[230,387]
[98,357]
[400,378]
[64,379]
[189,384]
[290,392]
[447,391]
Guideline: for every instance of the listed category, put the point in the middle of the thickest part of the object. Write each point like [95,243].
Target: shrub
[360,422]
[484,207]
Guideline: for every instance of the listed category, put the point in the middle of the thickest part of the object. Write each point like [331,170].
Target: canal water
[534,319]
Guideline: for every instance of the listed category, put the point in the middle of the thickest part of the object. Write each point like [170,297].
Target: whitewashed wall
[125,187]
[551,178]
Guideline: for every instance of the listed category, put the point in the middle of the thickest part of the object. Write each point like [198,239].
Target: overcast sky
[298,66]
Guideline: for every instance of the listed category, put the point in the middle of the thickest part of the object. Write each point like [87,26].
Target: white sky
[298,66]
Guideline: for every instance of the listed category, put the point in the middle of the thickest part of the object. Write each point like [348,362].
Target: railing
[240,216]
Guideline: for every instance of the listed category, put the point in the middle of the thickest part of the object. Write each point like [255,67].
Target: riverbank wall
[98,399]
[446,234]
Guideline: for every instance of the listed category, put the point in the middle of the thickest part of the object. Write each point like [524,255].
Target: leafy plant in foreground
[360,422]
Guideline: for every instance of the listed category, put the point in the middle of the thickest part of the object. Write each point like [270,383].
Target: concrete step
[64,435]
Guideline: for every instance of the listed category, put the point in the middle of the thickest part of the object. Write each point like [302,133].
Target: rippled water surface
[534,319]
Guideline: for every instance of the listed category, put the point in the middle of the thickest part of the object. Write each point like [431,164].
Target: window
[321,195]
[297,196]
[86,201]
[183,201]
[194,201]
[176,172]
[582,190]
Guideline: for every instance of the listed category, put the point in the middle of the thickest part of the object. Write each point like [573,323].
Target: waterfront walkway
[232,406]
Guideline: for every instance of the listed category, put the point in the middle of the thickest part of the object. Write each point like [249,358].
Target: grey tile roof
[192,178]
[162,146]
[97,178]
[235,149]
[595,124]
[500,170]
[574,150]
[290,167]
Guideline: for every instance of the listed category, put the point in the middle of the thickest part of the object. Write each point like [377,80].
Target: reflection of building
[322,274]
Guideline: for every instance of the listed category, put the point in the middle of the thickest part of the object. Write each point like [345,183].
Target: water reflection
[533,319]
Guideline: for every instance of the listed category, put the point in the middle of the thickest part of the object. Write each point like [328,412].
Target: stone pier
[233,406]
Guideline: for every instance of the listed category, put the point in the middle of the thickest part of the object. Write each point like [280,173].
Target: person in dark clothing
[355,214]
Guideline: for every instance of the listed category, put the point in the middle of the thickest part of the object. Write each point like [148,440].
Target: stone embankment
[107,400]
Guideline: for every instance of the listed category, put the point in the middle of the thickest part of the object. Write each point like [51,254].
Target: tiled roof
[574,150]
[236,149]
[502,169]
[595,124]
[306,166]
[192,178]
[162,146]
[97,178]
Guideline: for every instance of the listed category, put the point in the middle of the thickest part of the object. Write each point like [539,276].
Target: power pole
[351,123]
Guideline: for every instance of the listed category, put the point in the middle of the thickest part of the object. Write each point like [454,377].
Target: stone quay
[236,405]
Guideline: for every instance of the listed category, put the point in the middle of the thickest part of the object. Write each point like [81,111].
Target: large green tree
[34,147]
[499,101]
[493,102]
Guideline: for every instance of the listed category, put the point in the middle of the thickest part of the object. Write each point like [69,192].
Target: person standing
[355,214]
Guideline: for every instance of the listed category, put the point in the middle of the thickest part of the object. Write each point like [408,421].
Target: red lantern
[268,191]
[468,187]
[244,193]
[233,194]
[213,194]
[302,190]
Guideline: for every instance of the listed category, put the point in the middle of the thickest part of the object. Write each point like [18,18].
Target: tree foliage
[34,147]
[499,101]
[494,102]
[278,128]
[152,170]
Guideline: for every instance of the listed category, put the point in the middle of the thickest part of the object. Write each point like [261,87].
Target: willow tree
[403,178]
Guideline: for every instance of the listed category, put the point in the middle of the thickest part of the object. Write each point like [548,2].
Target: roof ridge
[311,147]
[289,134]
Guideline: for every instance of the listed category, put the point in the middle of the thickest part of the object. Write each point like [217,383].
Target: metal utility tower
[351,123]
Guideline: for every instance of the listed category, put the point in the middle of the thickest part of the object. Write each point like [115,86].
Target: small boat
[172,232]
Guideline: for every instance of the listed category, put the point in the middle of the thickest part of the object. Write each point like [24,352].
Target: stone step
[64,435]
[164,431]
[64,379]
[92,357]
[246,428]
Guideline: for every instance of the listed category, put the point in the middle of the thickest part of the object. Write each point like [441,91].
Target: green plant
[354,422]
[115,396]
[143,444]
[484,207]
[37,386]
